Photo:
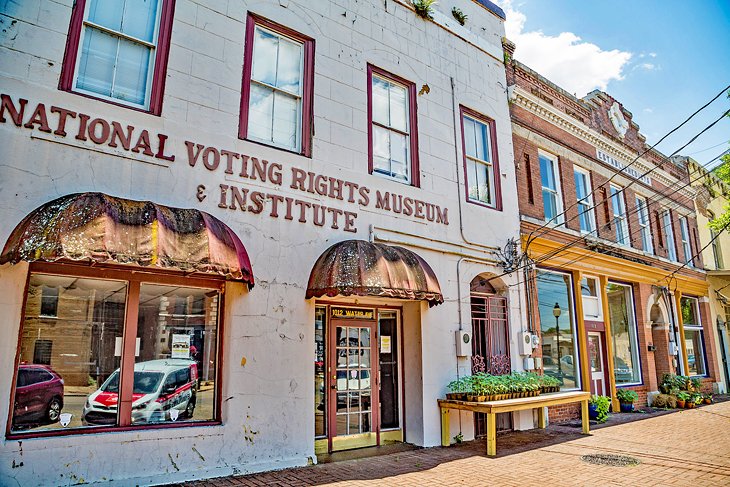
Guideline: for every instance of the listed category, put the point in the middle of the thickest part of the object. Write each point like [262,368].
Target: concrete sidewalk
[690,447]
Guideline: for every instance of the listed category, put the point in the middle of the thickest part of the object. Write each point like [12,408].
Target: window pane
[96,66]
[265,49]
[381,147]
[689,311]
[623,334]
[470,137]
[289,66]
[479,181]
[107,13]
[399,154]
[140,19]
[550,204]
[175,369]
[261,113]
[482,142]
[130,82]
[547,172]
[380,108]
[320,395]
[286,114]
[398,108]
[65,359]
[559,351]
[695,351]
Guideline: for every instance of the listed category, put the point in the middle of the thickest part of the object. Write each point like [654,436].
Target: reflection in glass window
[669,232]
[686,247]
[175,368]
[619,215]
[479,165]
[551,198]
[66,357]
[117,50]
[626,364]
[275,101]
[642,207]
[584,196]
[557,327]
[320,396]
[693,336]
[390,128]
[589,289]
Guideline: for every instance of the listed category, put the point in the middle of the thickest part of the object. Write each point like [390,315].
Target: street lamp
[556,314]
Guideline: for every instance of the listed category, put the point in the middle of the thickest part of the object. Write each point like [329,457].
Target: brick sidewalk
[685,448]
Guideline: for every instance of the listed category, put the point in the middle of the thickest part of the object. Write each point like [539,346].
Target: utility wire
[649,149]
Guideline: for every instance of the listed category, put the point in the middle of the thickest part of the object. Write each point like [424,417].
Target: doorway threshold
[370,451]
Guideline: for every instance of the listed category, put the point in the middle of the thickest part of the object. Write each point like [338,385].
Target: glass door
[353,407]
[595,355]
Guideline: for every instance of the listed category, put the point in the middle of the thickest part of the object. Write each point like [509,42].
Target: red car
[38,395]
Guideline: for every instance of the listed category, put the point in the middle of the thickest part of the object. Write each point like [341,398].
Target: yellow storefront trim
[590,262]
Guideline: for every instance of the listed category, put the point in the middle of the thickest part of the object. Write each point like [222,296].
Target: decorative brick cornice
[554,116]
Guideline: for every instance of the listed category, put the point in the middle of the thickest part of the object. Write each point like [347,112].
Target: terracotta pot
[680,404]
[708,401]
[689,404]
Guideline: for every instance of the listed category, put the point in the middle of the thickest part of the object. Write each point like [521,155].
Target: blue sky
[661,59]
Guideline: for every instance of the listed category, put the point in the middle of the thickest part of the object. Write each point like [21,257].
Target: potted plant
[598,407]
[707,398]
[457,389]
[697,399]
[682,398]
[626,397]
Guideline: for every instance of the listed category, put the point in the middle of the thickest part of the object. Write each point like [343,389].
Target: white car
[164,390]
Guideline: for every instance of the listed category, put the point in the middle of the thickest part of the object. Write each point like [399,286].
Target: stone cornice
[550,114]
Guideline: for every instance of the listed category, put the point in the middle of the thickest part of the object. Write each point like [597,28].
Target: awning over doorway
[95,227]
[357,267]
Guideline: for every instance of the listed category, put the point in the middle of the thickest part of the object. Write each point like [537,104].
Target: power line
[529,238]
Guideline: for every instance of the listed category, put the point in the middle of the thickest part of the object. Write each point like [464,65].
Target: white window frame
[407,133]
[152,46]
[586,201]
[559,218]
[642,210]
[630,306]
[596,300]
[686,246]
[619,215]
[698,328]
[299,97]
[669,236]
[489,164]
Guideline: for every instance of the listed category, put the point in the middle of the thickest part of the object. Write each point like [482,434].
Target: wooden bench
[491,408]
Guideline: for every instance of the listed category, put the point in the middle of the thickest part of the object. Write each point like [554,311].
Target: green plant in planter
[602,405]
[683,396]
[460,16]
[626,397]
[696,384]
[424,8]
[459,438]
[697,398]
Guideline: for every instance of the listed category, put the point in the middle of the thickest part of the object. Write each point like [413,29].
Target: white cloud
[646,66]
[573,64]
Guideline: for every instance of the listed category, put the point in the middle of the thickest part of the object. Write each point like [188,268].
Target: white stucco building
[134,348]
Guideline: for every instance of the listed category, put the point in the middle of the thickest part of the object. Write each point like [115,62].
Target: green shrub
[664,401]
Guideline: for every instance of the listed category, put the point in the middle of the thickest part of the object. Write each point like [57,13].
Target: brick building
[618,288]
[227,225]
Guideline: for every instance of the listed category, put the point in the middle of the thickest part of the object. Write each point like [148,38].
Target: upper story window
[552,200]
[669,232]
[686,247]
[619,215]
[392,126]
[590,293]
[117,51]
[278,79]
[585,200]
[642,209]
[482,169]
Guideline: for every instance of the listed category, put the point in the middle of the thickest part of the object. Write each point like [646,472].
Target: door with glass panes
[353,384]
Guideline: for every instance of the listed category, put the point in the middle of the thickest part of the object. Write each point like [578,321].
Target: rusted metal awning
[95,227]
[357,267]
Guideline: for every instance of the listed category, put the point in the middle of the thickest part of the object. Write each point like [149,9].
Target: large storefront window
[82,367]
[557,326]
[693,338]
[626,366]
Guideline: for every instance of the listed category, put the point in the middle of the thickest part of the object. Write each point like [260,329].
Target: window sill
[106,429]
[633,384]
[483,205]
[116,103]
[276,147]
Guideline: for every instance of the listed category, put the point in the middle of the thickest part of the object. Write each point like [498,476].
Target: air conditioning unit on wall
[525,345]
[463,343]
